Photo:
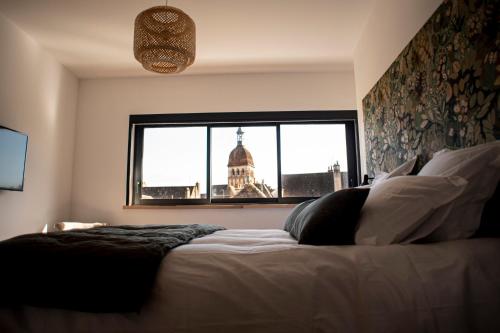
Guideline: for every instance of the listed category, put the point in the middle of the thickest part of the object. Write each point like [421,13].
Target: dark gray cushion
[331,219]
[290,220]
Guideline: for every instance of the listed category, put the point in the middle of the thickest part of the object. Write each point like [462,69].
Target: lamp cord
[166,3]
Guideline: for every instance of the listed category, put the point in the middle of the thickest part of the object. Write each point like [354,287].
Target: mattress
[263,281]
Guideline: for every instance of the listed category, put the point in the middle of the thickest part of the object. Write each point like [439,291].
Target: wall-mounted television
[13,145]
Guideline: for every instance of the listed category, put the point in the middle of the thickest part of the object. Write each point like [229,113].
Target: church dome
[240,156]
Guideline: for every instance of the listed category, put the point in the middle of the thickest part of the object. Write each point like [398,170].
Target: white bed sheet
[263,281]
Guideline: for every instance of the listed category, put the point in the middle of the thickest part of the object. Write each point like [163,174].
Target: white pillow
[380,177]
[449,162]
[402,170]
[439,152]
[65,226]
[397,207]
[479,166]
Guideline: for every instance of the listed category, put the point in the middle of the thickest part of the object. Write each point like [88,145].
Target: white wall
[38,96]
[390,27]
[102,132]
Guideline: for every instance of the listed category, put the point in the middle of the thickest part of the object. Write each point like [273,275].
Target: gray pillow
[290,220]
[331,219]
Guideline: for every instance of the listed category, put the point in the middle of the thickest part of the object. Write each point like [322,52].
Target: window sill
[213,206]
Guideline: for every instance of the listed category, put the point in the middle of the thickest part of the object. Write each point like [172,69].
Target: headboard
[442,91]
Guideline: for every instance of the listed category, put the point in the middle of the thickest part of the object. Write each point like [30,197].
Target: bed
[417,266]
[263,281]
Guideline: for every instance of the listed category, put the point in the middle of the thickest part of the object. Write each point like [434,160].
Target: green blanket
[104,269]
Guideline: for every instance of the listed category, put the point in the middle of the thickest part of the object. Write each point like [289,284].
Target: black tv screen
[13,146]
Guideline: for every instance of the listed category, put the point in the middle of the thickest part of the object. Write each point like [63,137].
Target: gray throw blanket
[104,269]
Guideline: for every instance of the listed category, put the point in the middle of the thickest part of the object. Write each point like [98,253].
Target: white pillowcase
[402,170]
[65,226]
[449,162]
[439,152]
[397,207]
[479,165]
[380,177]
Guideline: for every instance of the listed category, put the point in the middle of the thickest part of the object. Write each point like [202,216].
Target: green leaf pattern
[443,90]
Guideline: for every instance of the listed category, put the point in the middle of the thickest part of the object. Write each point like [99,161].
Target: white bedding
[263,281]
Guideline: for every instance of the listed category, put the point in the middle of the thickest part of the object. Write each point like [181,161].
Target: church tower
[337,178]
[240,166]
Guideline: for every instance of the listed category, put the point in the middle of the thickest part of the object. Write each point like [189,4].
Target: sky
[176,156]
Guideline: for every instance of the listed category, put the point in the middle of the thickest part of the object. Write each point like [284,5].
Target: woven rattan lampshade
[164,39]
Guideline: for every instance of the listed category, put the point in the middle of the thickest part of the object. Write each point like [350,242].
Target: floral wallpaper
[443,90]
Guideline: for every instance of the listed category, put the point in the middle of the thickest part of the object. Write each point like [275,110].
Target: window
[313,159]
[244,157]
[244,163]
[174,163]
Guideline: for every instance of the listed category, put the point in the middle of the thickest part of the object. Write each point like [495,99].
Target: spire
[336,167]
[239,136]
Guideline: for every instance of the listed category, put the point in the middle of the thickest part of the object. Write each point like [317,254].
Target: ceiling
[94,38]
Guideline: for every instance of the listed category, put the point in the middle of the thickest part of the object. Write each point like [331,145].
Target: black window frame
[137,124]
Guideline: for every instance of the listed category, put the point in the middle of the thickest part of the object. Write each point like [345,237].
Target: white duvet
[263,281]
